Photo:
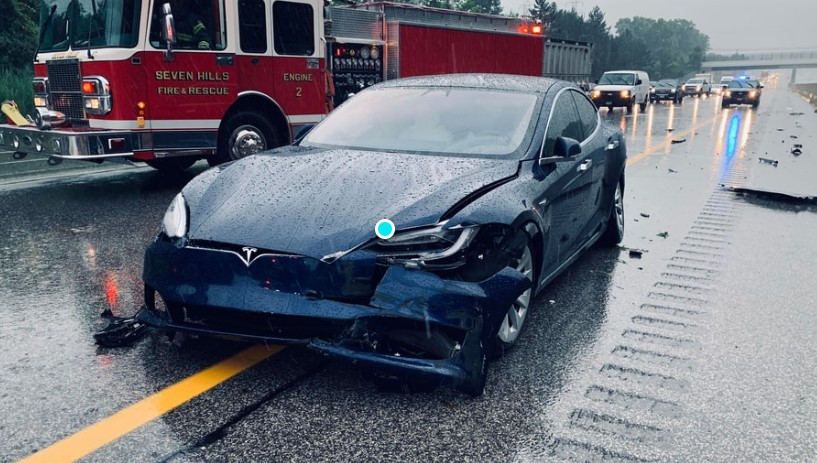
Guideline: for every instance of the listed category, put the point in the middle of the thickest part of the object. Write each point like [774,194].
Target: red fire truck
[170,83]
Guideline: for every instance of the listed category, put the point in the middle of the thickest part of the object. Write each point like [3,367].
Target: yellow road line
[82,443]
[654,148]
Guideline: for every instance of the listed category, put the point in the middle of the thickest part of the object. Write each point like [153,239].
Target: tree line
[663,48]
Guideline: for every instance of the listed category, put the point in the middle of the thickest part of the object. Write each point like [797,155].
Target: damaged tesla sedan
[491,185]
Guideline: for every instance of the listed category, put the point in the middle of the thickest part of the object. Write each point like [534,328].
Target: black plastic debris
[663,234]
[678,140]
[636,253]
[768,161]
[797,149]
[672,171]
[670,129]
[120,332]
[645,215]
[793,136]
[796,114]
[779,130]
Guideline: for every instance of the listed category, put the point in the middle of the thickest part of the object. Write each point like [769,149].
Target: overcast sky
[730,24]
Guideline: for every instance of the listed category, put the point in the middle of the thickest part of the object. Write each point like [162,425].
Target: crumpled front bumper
[70,143]
[416,325]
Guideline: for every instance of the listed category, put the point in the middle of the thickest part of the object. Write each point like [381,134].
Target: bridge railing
[764,56]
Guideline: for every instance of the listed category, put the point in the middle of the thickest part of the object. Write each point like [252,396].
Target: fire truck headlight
[174,224]
[595,93]
[40,101]
[97,95]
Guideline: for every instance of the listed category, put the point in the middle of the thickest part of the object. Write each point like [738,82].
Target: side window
[564,122]
[252,20]
[588,114]
[293,29]
[200,24]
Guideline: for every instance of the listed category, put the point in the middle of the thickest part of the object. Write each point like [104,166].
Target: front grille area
[65,87]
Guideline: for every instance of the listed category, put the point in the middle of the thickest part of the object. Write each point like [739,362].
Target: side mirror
[639,82]
[567,147]
[564,149]
[596,81]
[168,31]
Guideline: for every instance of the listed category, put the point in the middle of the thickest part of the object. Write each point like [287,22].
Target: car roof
[627,71]
[488,81]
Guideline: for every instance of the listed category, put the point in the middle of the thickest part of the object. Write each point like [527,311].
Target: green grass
[16,85]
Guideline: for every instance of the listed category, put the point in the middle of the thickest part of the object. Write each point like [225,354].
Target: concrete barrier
[808,91]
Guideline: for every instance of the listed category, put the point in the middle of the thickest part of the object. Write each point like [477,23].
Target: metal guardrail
[765,56]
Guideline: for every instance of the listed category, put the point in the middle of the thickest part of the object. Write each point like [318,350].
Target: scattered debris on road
[636,253]
[768,161]
[796,114]
[670,129]
[663,234]
[779,130]
[776,196]
[793,136]
[645,215]
[675,141]
[797,149]
[672,171]
[120,331]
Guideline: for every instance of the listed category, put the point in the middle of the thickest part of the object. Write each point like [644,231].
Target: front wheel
[514,320]
[643,106]
[614,232]
[244,134]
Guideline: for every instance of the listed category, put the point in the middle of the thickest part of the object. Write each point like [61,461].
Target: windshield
[105,23]
[695,81]
[743,84]
[617,78]
[667,83]
[465,121]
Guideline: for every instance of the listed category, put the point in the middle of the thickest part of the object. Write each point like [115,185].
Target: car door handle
[585,166]
[612,144]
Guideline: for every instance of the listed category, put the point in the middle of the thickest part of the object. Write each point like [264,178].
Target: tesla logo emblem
[248,251]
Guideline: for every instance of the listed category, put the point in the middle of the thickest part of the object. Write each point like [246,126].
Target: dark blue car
[494,184]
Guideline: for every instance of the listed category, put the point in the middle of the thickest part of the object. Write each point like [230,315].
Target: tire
[244,134]
[614,231]
[643,106]
[724,104]
[171,165]
[513,322]
[610,109]
[756,104]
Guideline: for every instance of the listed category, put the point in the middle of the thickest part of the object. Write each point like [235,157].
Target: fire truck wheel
[244,134]
[171,165]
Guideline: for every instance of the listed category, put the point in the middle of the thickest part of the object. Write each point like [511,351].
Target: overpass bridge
[759,60]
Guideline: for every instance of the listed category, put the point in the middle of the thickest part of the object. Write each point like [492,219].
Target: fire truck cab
[168,82]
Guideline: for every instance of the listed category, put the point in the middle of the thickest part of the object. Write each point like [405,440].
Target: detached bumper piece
[120,331]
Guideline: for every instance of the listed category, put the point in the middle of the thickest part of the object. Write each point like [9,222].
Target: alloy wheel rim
[245,141]
[619,205]
[514,319]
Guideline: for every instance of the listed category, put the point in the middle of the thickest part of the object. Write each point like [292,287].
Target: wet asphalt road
[704,349]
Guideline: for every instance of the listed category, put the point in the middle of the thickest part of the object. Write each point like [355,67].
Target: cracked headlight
[174,223]
[427,248]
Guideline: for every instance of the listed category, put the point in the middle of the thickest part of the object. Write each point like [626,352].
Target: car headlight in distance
[625,93]
[174,224]
[652,90]
[672,91]
[727,93]
[752,94]
[595,94]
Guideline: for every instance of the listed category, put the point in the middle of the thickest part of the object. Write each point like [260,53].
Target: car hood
[316,202]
